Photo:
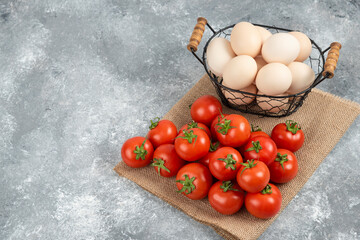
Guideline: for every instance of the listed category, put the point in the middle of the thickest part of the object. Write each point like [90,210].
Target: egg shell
[280,48]
[218,54]
[274,79]
[245,39]
[302,77]
[240,98]
[264,33]
[305,46]
[273,105]
[240,72]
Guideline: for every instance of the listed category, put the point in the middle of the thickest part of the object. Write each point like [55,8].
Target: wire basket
[264,105]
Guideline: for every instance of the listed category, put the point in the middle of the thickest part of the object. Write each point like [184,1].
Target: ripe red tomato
[288,135]
[284,168]
[161,132]
[226,197]
[256,131]
[253,176]
[213,148]
[165,160]
[194,181]
[195,125]
[215,121]
[233,130]
[225,163]
[261,148]
[137,152]
[205,109]
[191,145]
[264,204]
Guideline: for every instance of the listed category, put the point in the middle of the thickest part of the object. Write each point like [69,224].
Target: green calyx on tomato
[267,190]
[214,147]
[230,161]
[248,164]
[159,163]
[292,126]
[188,185]
[256,147]
[224,127]
[140,151]
[227,185]
[193,124]
[154,123]
[281,159]
[189,136]
[255,128]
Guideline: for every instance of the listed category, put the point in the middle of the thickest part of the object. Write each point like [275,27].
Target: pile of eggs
[258,62]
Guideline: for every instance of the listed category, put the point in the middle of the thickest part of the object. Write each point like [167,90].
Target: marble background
[78,77]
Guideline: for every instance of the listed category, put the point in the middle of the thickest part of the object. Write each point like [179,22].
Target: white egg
[273,79]
[245,39]
[240,98]
[239,72]
[302,77]
[280,48]
[274,105]
[305,46]
[218,54]
[264,33]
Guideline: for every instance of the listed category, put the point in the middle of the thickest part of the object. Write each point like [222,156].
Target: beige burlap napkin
[324,119]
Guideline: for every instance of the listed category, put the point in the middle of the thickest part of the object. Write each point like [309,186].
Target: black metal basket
[276,106]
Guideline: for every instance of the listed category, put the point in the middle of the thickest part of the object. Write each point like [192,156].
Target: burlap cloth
[324,119]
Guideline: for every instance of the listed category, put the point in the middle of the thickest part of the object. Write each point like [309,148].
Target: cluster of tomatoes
[221,147]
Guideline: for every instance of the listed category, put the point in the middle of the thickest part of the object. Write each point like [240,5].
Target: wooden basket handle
[331,60]
[197,34]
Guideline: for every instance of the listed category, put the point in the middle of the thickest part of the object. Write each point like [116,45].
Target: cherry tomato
[137,152]
[253,176]
[225,163]
[256,131]
[261,148]
[161,132]
[205,109]
[213,125]
[226,197]
[233,130]
[288,135]
[213,148]
[194,181]
[264,204]
[284,168]
[195,125]
[165,160]
[191,145]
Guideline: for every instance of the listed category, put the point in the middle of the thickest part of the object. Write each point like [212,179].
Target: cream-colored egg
[218,54]
[264,33]
[245,39]
[240,98]
[273,105]
[239,72]
[302,77]
[260,62]
[281,48]
[305,46]
[274,79]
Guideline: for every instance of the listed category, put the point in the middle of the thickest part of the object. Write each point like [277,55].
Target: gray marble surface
[77,78]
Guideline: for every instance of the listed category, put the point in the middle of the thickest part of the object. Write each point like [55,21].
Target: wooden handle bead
[197,34]
[331,60]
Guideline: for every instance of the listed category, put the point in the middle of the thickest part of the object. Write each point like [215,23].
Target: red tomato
[161,132]
[213,148]
[261,148]
[137,152]
[226,197]
[233,130]
[256,131]
[205,109]
[288,135]
[195,125]
[284,168]
[194,181]
[191,145]
[253,176]
[165,160]
[264,204]
[225,163]
[213,125]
